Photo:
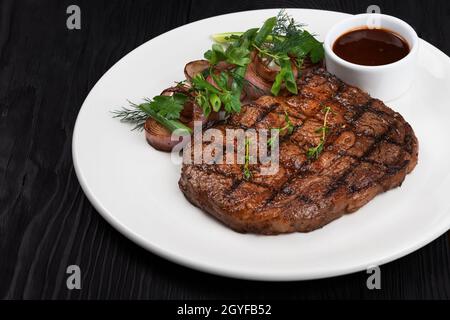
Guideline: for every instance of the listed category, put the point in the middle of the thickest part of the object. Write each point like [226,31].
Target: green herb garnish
[132,115]
[168,107]
[281,41]
[239,56]
[164,109]
[289,127]
[212,97]
[314,152]
[271,141]
[247,173]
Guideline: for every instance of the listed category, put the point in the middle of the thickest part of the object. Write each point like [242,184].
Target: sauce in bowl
[371,47]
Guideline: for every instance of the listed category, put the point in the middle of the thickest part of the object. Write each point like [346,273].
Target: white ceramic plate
[135,188]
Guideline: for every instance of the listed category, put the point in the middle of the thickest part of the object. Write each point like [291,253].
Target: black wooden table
[46,222]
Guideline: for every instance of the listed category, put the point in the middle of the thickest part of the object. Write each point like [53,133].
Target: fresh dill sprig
[281,40]
[132,115]
[163,109]
[286,25]
[314,152]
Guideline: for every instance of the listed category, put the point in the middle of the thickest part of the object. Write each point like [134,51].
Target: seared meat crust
[369,149]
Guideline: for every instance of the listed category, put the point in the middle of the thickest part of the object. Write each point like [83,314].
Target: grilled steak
[369,149]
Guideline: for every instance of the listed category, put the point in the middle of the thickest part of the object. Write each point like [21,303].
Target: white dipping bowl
[386,82]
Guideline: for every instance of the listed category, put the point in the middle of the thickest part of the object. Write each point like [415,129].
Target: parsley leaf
[168,107]
[163,109]
[239,56]
[215,54]
[212,97]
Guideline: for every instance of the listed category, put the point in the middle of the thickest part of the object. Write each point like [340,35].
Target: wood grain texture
[46,222]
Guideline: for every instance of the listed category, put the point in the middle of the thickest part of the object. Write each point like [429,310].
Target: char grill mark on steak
[340,87]
[368,150]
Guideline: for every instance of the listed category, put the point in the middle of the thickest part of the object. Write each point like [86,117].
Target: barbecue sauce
[371,47]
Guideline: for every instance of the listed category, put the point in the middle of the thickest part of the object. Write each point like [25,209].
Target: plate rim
[206,266]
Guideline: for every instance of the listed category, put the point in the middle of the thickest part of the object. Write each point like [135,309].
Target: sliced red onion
[195,67]
[158,136]
[256,86]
